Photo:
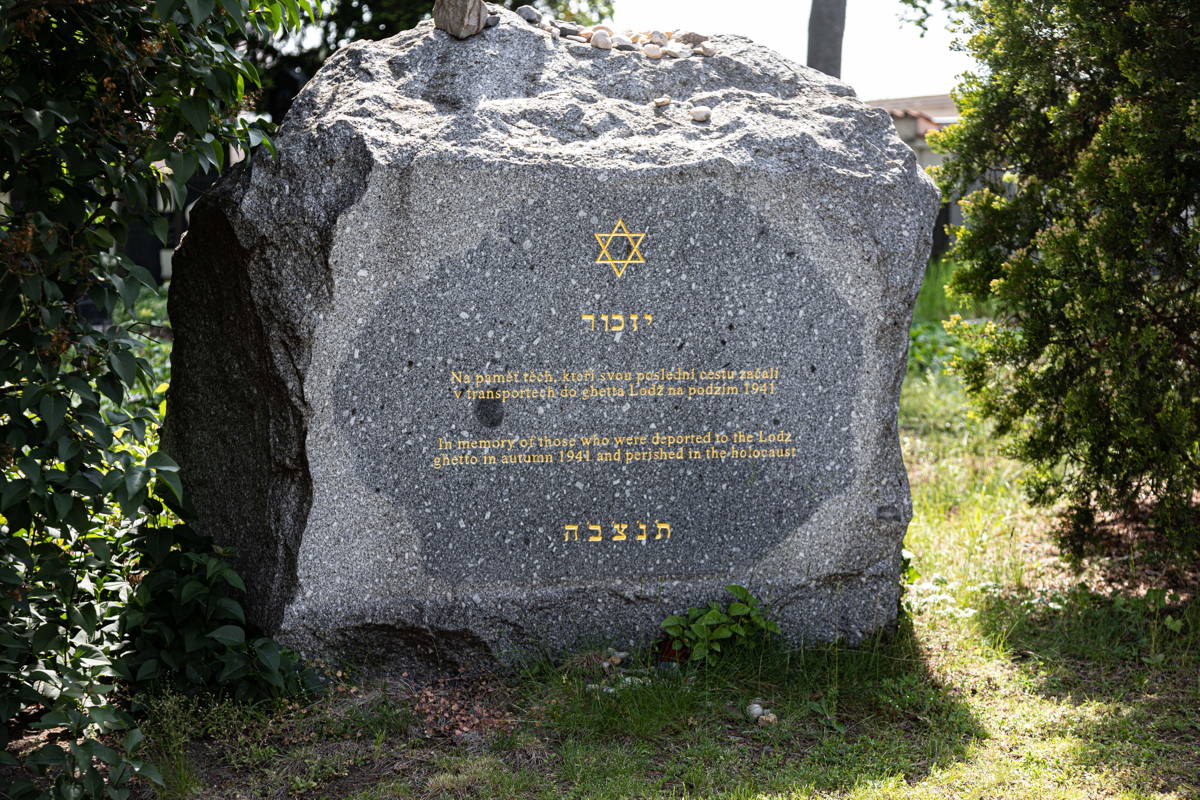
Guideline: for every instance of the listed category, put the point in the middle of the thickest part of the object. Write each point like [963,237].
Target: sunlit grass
[1008,676]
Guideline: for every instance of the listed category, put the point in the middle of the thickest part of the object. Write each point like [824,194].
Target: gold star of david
[634,256]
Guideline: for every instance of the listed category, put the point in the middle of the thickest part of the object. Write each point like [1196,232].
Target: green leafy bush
[106,110]
[1078,155]
[185,626]
[705,634]
[931,348]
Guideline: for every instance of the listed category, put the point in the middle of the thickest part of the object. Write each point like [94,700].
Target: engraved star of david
[634,256]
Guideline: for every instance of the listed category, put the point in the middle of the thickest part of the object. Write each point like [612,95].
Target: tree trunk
[826,23]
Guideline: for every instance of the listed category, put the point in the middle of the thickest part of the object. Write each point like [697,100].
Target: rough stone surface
[438,207]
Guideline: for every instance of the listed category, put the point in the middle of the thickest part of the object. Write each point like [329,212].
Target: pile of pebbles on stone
[651,44]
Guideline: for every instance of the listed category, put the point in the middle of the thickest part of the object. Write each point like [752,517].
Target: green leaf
[229,635]
[233,579]
[53,719]
[228,608]
[133,740]
[741,593]
[172,482]
[268,653]
[125,365]
[200,9]
[42,122]
[149,772]
[10,305]
[195,111]
[135,480]
[44,637]
[159,226]
[235,11]
[160,461]
[62,504]
[148,670]
[165,8]
[235,667]
[12,491]
[191,590]
[48,755]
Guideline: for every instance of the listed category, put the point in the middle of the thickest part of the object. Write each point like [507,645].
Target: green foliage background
[106,110]
[1079,153]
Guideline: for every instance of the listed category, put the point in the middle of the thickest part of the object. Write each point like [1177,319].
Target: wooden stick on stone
[460,18]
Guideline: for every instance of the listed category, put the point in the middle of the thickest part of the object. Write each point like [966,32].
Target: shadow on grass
[1126,666]
[846,716]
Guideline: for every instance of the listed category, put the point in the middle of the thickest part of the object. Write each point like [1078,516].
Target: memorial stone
[499,355]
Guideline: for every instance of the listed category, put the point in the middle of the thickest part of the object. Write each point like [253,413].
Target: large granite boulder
[499,355]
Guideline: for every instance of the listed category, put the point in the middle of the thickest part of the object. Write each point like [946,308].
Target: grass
[933,304]
[1012,674]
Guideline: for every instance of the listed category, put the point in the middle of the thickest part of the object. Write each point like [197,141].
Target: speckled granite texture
[347,317]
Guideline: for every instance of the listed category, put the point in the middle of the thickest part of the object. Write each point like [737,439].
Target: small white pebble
[652,51]
[701,113]
[754,711]
[676,51]
[600,41]
[707,49]
[662,101]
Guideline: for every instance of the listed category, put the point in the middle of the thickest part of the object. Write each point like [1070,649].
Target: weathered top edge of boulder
[515,93]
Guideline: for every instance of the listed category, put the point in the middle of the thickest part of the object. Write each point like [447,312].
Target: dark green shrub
[106,109]
[1079,150]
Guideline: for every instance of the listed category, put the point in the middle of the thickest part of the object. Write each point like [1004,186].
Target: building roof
[936,108]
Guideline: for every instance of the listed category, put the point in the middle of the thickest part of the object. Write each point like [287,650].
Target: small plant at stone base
[705,634]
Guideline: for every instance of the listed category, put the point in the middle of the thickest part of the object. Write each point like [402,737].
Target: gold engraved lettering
[615,323]
[620,531]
